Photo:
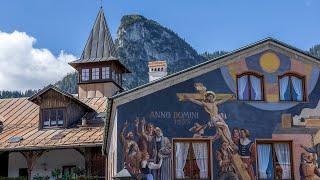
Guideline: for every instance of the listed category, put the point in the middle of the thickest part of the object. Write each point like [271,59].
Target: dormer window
[85,75]
[250,87]
[53,117]
[291,87]
[95,73]
[105,72]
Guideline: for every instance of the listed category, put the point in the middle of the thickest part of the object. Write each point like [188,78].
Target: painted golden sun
[269,62]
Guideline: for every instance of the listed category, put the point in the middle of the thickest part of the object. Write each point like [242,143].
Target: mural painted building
[253,113]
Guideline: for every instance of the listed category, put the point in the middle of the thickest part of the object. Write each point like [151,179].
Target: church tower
[100,71]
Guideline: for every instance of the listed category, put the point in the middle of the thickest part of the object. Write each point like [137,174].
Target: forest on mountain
[140,40]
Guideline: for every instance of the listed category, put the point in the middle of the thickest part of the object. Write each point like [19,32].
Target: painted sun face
[269,62]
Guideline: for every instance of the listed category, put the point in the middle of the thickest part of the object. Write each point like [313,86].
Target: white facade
[46,163]
[112,154]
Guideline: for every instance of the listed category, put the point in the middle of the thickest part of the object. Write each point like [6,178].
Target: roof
[21,120]
[99,46]
[181,76]
[52,87]
[157,63]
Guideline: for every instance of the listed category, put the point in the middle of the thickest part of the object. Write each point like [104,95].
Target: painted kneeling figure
[227,169]
[147,166]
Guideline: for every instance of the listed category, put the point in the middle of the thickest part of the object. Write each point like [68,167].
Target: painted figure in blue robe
[163,147]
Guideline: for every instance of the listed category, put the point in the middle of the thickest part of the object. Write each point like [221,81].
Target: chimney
[286,121]
[157,70]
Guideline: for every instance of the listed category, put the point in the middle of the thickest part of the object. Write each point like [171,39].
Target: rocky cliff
[140,40]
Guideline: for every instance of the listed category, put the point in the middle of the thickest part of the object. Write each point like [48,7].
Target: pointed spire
[99,44]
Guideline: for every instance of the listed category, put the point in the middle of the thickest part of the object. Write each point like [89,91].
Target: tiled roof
[21,119]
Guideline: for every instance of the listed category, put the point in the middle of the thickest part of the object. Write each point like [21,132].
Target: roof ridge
[13,98]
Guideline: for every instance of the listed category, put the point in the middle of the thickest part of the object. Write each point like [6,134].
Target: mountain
[140,40]
[213,55]
[69,83]
[315,50]
[17,94]
[137,61]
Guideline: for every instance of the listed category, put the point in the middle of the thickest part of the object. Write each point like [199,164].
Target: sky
[39,37]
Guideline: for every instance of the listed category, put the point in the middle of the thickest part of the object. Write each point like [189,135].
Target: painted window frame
[299,76]
[272,142]
[191,140]
[250,73]
[63,109]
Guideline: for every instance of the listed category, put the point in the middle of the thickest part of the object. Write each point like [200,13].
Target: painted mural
[205,128]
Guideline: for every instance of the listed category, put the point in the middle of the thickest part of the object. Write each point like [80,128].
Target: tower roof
[99,46]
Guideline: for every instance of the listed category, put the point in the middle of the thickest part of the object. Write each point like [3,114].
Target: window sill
[53,127]
[280,102]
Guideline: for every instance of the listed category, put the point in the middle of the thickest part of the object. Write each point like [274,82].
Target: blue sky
[207,25]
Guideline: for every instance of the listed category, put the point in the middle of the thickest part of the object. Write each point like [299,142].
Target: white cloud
[24,67]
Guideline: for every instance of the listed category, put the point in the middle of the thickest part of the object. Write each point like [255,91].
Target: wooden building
[54,130]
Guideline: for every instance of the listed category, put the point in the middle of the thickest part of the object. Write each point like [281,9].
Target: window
[274,160]
[68,171]
[113,75]
[191,158]
[116,77]
[95,73]
[105,72]
[85,75]
[291,87]
[53,117]
[250,87]
[119,78]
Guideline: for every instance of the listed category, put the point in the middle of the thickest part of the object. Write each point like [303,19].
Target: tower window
[95,73]
[119,78]
[250,87]
[105,72]
[114,75]
[85,75]
[291,87]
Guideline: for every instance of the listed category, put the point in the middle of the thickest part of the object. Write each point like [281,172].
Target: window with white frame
[53,117]
[95,73]
[250,87]
[105,72]
[85,75]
